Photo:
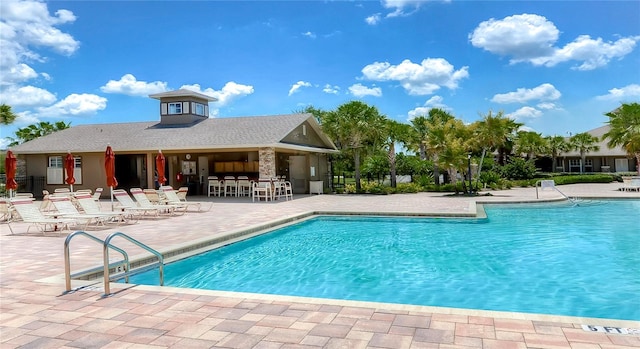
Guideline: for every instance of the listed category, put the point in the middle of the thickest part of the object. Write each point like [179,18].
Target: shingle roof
[604,149]
[212,133]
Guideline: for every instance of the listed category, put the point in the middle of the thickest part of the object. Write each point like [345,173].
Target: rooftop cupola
[183,106]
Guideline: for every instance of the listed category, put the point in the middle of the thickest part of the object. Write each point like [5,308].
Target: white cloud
[297,85]
[129,85]
[74,105]
[26,96]
[629,92]
[433,102]
[229,92]
[399,6]
[360,90]
[310,35]
[331,89]
[544,92]
[525,113]
[16,74]
[373,19]
[417,79]
[531,38]
[547,106]
[25,25]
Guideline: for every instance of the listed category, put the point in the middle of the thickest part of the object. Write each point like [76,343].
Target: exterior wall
[187,115]
[267,162]
[299,137]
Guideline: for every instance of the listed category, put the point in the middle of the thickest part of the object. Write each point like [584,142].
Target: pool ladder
[106,245]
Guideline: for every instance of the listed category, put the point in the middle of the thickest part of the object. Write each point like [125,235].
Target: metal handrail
[105,252]
[67,261]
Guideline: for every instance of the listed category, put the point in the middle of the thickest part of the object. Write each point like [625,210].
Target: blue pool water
[551,259]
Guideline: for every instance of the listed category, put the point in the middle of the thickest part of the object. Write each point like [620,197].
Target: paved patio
[34,312]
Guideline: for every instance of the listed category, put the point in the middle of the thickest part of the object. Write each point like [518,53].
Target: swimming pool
[549,259]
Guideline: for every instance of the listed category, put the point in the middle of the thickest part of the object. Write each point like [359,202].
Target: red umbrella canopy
[110,167]
[10,165]
[69,165]
[160,163]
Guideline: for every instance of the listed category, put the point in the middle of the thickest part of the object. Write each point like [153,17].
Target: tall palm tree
[555,146]
[492,133]
[420,132]
[453,155]
[529,143]
[584,143]
[396,132]
[625,130]
[354,125]
[6,115]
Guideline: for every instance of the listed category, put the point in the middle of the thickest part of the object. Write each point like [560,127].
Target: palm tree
[395,132]
[354,125]
[6,115]
[529,143]
[38,130]
[625,130]
[420,132]
[584,142]
[454,152]
[492,133]
[555,146]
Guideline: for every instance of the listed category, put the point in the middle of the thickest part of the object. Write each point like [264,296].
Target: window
[175,108]
[198,109]
[55,170]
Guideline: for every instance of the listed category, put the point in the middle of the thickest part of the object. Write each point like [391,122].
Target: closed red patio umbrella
[160,163]
[10,165]
[69,166]
[110,169]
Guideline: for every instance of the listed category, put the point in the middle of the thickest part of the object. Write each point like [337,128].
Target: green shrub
[584,178]
[519,168]
[408,188]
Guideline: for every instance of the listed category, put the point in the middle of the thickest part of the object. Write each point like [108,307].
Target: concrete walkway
[34,312]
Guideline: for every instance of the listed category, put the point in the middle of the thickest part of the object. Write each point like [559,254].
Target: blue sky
[556,66]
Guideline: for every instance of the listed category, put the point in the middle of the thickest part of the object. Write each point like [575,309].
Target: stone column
[267,162]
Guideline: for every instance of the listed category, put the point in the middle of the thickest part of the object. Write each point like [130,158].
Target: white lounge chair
[66,209]
[143,201]
[29,212]
[127,204]
[90,206]
[172,198]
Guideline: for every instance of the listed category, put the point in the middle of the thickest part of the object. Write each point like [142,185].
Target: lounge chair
[90,206]
[152,196]
[66,209]
[96,194]
[143,201]
[128,205]
[182,193]
[30,213]
[172,198]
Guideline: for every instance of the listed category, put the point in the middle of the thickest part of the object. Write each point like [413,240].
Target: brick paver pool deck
[35,312]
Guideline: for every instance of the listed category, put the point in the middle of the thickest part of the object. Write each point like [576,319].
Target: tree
[419,135]
[436,126]
[452,150]
[395,132]
[625,130]
[555,146]
[6,115]
[38,130]
[353,126]
[529,143]
[584,142]
[492,133]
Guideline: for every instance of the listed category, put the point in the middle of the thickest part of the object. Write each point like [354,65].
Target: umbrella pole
[111,198]
[71,187]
